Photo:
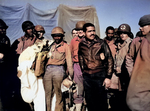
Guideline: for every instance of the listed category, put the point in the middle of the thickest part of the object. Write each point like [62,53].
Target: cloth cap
[144,20]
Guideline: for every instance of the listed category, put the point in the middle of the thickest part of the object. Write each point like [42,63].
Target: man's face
[110,34]
[2,31]
[74,33]
[58,38]
[40,34]
[123,36]
[90,33]
[29,32]
[145,29]
[81,33]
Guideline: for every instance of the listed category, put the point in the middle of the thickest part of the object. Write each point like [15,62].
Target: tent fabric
[14,16]
[63,16]
[69,16]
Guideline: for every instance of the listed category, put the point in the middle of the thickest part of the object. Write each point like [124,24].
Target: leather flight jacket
[95,57]
[4,47]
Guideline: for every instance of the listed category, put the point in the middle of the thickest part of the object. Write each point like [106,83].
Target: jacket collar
[24,38]
[108,41]
[58,45]
[96,39]
[124,43]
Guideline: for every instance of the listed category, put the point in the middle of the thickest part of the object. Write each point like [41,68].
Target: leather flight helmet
[27,25]
[39,28]
[3,24]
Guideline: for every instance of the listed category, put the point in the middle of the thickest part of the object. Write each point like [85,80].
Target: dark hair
[73,30]
[131,35]
[87,25]
[110,28]
[139,34]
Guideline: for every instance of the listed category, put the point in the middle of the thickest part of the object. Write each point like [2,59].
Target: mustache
[92,35]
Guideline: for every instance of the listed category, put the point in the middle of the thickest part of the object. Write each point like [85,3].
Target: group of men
[110,73]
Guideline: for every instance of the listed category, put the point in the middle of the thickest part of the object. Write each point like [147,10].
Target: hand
[1,55]
[66,82]
[107,83]
[118,69]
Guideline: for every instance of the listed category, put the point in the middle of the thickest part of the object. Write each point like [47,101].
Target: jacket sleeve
[109,60]
[129,59]
[69,62]
[80,58]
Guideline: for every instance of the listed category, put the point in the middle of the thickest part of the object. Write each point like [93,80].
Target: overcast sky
[110,12]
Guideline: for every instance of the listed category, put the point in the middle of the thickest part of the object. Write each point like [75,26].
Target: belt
[76,62]
[93,71]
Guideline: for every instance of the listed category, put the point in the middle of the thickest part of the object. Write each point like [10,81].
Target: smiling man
[96,63]
[124,32]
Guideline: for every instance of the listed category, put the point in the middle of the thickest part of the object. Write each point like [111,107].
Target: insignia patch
[123,27]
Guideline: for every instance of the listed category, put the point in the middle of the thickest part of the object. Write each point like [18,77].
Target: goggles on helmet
[39,32]
[29,27]
[57,35]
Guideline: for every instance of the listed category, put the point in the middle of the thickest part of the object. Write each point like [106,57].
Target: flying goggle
[41,31]
[57,35]
[29,27]
[38,32]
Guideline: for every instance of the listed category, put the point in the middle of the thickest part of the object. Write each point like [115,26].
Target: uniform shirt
[74,47]
[112,47]
[121,53]
[59,54]
[22,43]
[114,78]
